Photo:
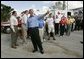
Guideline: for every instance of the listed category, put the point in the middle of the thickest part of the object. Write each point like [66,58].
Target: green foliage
[5,12]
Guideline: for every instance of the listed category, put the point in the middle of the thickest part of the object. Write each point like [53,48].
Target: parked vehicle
[5,27]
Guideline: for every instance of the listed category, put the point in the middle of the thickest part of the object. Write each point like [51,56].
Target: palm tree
[5,12]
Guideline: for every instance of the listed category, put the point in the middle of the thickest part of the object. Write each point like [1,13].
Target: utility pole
[63,5]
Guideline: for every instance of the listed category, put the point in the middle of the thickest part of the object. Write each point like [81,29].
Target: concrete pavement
[62,47]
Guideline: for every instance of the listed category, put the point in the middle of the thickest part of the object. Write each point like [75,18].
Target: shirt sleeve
[11,23]
[24,19]
[27,24]
[47,20]
[40,16]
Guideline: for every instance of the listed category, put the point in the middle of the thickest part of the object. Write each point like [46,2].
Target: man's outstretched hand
[45,14]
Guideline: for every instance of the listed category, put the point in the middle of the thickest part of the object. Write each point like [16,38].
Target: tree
[59,5]
[5,12]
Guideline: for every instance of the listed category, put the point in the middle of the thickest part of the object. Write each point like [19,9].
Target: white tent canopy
[74,4]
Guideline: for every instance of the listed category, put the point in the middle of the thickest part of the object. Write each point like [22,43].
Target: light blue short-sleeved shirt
[33,21]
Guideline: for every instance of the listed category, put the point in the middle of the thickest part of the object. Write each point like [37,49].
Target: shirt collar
[32,16]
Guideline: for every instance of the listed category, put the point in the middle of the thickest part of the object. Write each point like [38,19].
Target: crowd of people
[36,26]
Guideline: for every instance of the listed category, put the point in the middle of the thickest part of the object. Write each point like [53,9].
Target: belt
[33,27]
[15,25]
[24,23]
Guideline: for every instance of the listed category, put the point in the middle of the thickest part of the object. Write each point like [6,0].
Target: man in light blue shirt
[33,21]
[33,24]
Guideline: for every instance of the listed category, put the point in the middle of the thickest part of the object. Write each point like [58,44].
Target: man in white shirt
[14,29]
[57,20]
[50,23]
[24,26]
[41,29]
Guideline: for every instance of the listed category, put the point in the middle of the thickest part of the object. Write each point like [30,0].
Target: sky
[20,6]
[25,5]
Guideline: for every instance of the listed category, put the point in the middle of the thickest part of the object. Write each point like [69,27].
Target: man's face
[27,12]
[31,11]
[22,14]
[50,15]
[15,14]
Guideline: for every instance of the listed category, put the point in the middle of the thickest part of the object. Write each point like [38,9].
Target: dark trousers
[68,29]
[28,32]
[46,28]
[78,25]
[56,28]
[35,38]
[62,29]
[81,24]
[72,27]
